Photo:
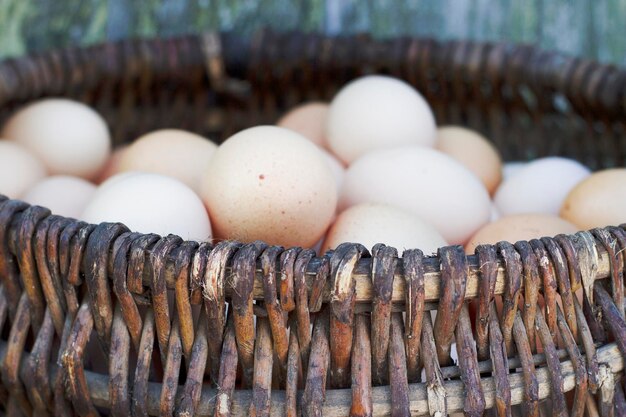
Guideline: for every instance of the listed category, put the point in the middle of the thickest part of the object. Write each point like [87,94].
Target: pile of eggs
[369,167]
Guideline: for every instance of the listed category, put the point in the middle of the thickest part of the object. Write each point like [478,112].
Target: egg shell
[69,137]
[309,120]
[19,169]
[598,201]
[378,112]
[150,203]
[370,224]
[514,228]
[176,153]
[62,194]
[474,151]
[336,167]
[272,184]
[428,183]
[540,187]
[112,165]
[509,169]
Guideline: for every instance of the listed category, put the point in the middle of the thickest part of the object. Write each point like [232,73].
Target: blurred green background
[591,28]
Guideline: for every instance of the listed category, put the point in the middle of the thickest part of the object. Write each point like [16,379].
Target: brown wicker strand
[8,267]
[414,306]
[244,265]
[361,369]
[118,366]
[453,280]
[213,292]
[580,394]
[260,405]
[383,266]
[275,311]
[96,260]
[27,265]
[500,371]
[468,363]
[488,267]
[342,302]
[319,360]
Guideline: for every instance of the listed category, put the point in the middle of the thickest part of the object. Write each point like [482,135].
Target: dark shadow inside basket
[99,319]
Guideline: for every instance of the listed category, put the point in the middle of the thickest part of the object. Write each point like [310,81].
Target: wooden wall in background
[591,28]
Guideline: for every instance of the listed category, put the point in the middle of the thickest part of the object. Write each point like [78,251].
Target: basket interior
[529,102]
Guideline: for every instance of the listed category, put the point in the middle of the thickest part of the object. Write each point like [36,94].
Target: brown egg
[309,120]
[176,153]
[520,227]
[597,201]
[271,184]
[474,151]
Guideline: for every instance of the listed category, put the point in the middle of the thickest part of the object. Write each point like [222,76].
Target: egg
[336,167]
[175,153]
[309,120]
[112,165]
[518,227]
[378,112]
[150,203]
[494,213]
[69,137]
[62,194]
[428,183]
[474,151]
[511,168]
[370,224]
[272,184]
[598,201]
[19,169]
[540,187]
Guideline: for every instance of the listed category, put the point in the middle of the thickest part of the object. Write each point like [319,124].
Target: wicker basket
[96,319]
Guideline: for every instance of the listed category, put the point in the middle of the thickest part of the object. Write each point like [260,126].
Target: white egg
[69,137]
[370,224]
[19,169]
[150,203]
[62,194]
[539,187]
[511,168]
[428,183]
[378,112]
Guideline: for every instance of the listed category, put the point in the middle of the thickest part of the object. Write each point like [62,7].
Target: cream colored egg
[272,184]
[62,194]
[520,227]
[540,187]
[19,169]
[175,153]
[112,166]
[309,120]
[378,112]
[69,137]
[370,224]
[336,167]
[150,203]
[474,151]
[598,201]
[428,183]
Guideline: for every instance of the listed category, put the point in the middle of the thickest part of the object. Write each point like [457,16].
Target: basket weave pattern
[100,319]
